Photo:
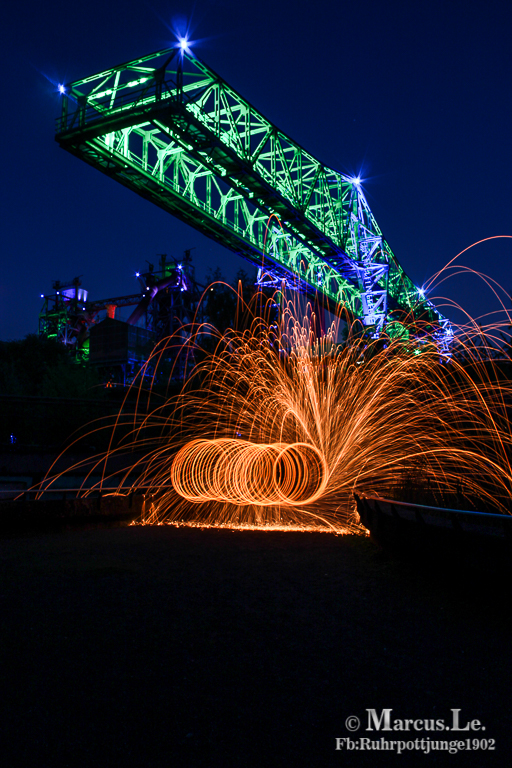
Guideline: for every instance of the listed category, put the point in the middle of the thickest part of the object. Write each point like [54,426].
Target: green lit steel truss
[169,128]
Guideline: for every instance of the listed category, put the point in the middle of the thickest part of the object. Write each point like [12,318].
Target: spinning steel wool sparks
[278,425]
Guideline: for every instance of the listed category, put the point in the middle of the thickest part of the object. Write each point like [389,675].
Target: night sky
[414,97]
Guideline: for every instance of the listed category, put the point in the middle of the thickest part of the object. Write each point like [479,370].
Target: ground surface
[159,646]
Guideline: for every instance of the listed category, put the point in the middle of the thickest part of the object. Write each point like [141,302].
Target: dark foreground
[159,646]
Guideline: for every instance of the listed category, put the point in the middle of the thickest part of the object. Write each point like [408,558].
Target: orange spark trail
[278,426]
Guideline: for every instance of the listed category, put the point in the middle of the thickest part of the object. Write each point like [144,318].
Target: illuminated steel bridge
[172,130]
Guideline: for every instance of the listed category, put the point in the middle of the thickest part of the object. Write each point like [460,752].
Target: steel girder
[169,128]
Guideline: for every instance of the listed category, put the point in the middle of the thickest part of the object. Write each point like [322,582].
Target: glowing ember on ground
[245,527]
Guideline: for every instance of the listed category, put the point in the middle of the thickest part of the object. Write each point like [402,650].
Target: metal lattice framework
[172,130]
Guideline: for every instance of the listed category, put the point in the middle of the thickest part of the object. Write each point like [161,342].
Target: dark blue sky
[414,96]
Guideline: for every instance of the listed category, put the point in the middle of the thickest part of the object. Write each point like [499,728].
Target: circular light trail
[240,472]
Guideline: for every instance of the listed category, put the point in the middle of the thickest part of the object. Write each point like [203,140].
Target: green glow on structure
[172,130]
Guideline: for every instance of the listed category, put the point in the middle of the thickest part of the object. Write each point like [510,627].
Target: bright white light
[356,180]
[137,274]
[180,266]
[421,293]
[42,295]
[183,43]
[62,89]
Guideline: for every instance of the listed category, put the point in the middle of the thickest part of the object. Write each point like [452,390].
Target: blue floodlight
[183,44]
[62,88]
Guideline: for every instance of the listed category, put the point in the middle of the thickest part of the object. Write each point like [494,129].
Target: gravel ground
[163,646]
